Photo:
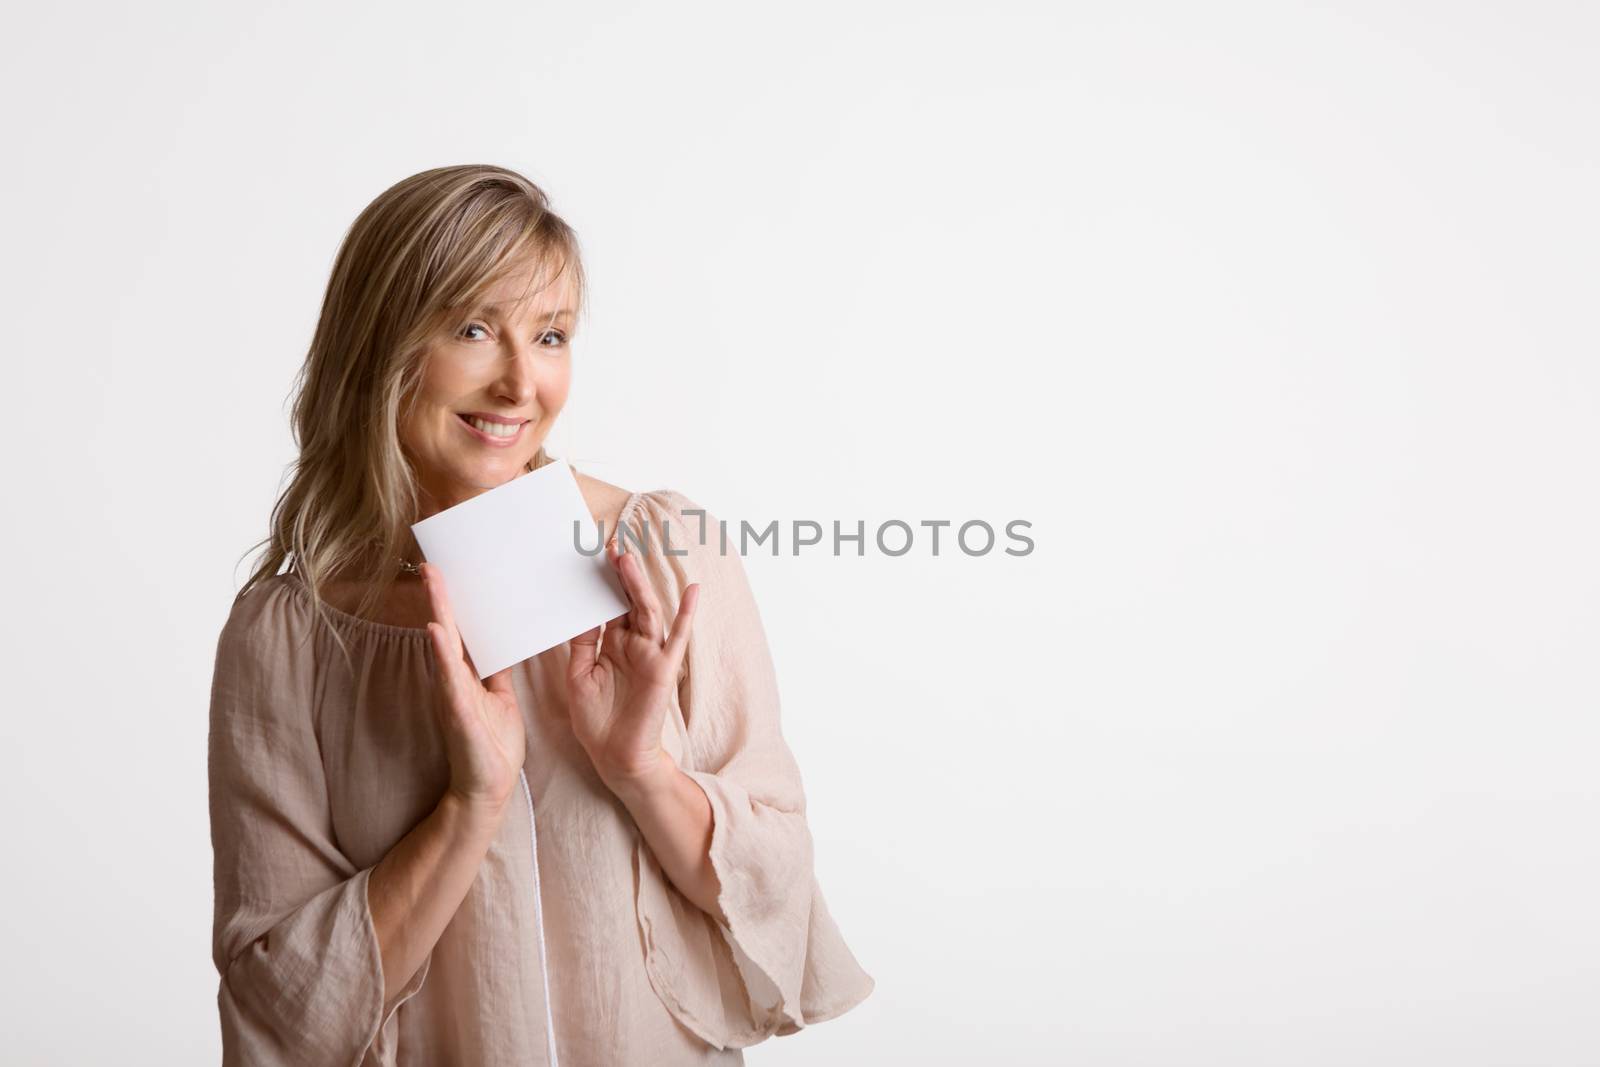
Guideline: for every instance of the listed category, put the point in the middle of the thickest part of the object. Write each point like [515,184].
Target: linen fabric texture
[317,767]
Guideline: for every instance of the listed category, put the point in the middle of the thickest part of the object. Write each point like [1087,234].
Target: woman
[384,891]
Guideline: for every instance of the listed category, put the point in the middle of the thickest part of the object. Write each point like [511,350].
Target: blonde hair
[424,248]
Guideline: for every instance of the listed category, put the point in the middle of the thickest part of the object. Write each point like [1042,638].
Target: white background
[1276,321]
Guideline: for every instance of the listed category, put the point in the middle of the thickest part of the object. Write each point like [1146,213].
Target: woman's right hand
[480,720]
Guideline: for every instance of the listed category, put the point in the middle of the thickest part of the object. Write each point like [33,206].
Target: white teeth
[496,429]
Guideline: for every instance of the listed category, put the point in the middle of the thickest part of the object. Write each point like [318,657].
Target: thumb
[500,682]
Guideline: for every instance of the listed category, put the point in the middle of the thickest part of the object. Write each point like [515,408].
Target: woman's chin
[480,477]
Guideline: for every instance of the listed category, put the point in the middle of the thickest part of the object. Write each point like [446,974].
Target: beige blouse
[317,768]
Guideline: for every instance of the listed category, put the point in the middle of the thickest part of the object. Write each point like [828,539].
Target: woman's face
[493,383]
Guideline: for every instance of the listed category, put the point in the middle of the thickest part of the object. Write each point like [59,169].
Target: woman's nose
[516,383]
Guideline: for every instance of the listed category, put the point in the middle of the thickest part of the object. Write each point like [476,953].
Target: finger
[439,604]
[449,662]
[613,558]
[611,639]
[584,649]
[472,667]
[448,649]
[646,618]
[678,640]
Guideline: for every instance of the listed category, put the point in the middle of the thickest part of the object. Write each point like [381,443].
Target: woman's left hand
[618,691]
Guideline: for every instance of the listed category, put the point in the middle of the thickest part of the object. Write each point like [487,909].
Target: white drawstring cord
[538,914]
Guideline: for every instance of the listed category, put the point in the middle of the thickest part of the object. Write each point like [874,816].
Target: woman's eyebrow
[564,313]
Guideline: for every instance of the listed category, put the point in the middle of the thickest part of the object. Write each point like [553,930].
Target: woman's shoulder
[265,615]
[655,518]
[605,501]
[614,505]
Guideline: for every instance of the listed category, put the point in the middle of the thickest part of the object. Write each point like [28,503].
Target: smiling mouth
[503,431]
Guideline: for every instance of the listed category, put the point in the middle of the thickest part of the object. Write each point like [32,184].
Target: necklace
[404,564]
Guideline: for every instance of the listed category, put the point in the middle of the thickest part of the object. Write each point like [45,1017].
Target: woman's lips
[499,434]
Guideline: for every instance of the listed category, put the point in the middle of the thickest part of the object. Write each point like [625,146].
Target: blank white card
[517,582]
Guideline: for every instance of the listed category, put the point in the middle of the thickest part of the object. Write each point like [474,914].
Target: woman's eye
[549,339]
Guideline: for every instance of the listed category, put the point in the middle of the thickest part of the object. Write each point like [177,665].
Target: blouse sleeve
[292,937]
[780,962]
